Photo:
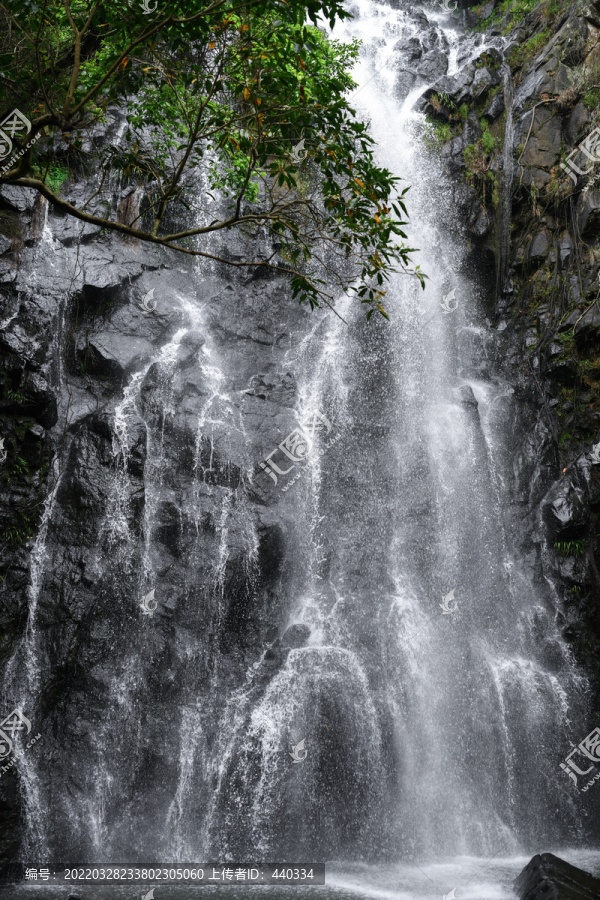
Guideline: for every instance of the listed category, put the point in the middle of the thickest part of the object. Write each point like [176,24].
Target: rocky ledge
[547,877]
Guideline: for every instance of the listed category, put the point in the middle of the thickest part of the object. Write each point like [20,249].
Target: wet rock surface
[547,877]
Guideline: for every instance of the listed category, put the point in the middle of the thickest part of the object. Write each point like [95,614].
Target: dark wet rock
[433,65]
[570,41]
[483,80]
[18,198]
[577,124]
[480,222]
[547,877]
[101,268]
[275,656]
[405,82]
[587,325]
[588,211]
[565,507]
[533,176]
[111,354]
[540,244]
[496,106]
[544,144]
[68,230]
[189,349]
[464,395]
[486,10]
[410,49]
[565,247]
[295,636]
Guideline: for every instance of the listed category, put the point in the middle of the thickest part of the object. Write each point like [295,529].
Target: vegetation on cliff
[240,97]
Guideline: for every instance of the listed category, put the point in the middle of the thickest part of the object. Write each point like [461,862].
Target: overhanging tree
[245,98]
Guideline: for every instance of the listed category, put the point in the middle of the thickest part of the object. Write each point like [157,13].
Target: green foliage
[488,141]
[486,60]
[514,10]
[15,396]
[571,548]
[19,472]
[224,92]
[522,53]
[471,157]
[55,176]
[517,10]
[436,134]
[477,159]
[591,98]
[19,532]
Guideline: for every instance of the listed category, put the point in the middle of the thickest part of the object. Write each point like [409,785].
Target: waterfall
[507,184]
[382,613]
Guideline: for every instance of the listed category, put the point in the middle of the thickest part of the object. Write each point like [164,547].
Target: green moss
[522,53]
[20,531]
[517,10]
[56,176]
[571,548]
[436,134]
[488,142]
[592,98]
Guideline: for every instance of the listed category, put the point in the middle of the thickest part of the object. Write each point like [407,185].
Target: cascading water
[460,717]
[507,181]
[409,650]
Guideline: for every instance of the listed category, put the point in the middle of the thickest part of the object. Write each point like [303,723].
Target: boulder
[295,636]
[588,211]
[540,245]
[544,144]
[577,124]
[547,877]
[586,328]
[19,198]
[565,508]
[565,248]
